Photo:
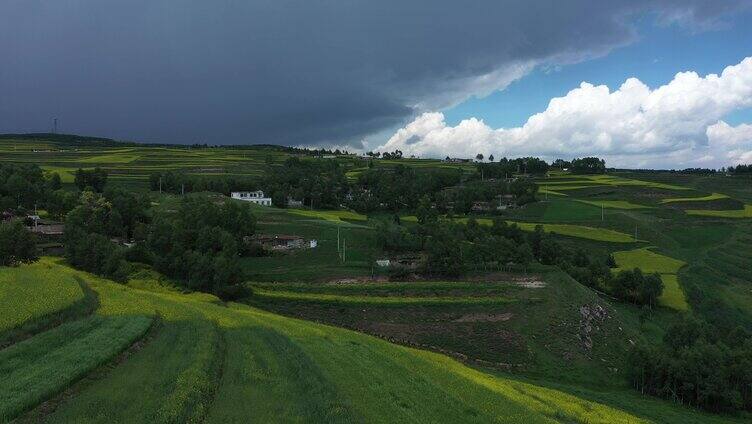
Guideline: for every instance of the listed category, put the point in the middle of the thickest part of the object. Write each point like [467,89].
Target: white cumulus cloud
[675,125]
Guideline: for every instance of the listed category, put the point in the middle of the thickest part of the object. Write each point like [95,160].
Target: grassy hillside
[204,361]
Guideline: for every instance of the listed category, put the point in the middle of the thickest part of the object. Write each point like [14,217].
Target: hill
[144,356]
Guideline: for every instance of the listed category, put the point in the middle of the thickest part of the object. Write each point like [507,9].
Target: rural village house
[256,197]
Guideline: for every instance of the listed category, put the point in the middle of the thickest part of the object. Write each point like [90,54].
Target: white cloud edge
[678,124]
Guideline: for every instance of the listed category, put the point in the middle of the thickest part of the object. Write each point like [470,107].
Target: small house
[256,197]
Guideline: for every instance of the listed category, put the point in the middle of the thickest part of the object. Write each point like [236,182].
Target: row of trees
[697,366]
[22,186]
[399,188]
[588,165]
[201,244]
[740,169]
[319,183]
[507,168]
[180,182]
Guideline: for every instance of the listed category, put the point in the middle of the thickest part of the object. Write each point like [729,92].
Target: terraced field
[203,361]
[710,197]
[734,213]
[652,262]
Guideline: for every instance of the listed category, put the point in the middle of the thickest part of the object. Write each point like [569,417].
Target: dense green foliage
[201,243]
[636,287]
[317,183]
[182,182]
[88,229]
[589,165]
[507,168]
[399,188]
[17,244]
[94,179]
[697,366]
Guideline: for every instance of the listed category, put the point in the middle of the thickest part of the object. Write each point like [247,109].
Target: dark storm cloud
[278,71]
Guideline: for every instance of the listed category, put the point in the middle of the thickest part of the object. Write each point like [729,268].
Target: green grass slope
[212,363]
[35,296]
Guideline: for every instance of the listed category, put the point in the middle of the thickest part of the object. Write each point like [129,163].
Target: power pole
[182,189]
[338,251]
[344,250]
[602,213]
[54,125]
[160,185]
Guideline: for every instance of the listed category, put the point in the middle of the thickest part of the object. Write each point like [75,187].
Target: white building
[256,197]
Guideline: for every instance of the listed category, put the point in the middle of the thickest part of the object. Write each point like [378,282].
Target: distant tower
[54,125]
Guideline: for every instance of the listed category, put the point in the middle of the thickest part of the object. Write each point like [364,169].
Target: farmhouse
[256,197]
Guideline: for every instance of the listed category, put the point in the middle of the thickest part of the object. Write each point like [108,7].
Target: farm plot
[614,204]
[37,368]
[735,213]
[570,230]
[651,262]
[710,197]
[379,300]
[338,216]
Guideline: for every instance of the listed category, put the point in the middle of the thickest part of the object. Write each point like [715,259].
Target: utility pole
[602,212]
[182,189]
[54,125]
[344,250]
[338,251]
[160,185]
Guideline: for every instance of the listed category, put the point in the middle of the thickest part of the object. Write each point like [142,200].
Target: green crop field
[338,216]
[713,196]
[35,296]
[206,362]
[651,262]
[614,204]
[381,300]
[735,213]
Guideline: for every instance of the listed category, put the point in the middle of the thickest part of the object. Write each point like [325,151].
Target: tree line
[696,365]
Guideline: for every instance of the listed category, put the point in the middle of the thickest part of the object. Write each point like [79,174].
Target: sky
[662,84]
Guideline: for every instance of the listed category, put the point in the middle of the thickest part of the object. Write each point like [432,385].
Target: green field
[614,204]
[211,363]
[570,230]
[736,213]
[338,216]
[37,296]
[710,197]
[651,262]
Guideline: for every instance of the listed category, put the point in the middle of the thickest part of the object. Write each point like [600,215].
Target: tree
[588,165]
[426,214]
[491,158]
[17,244]
[95,178]
[479,157]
